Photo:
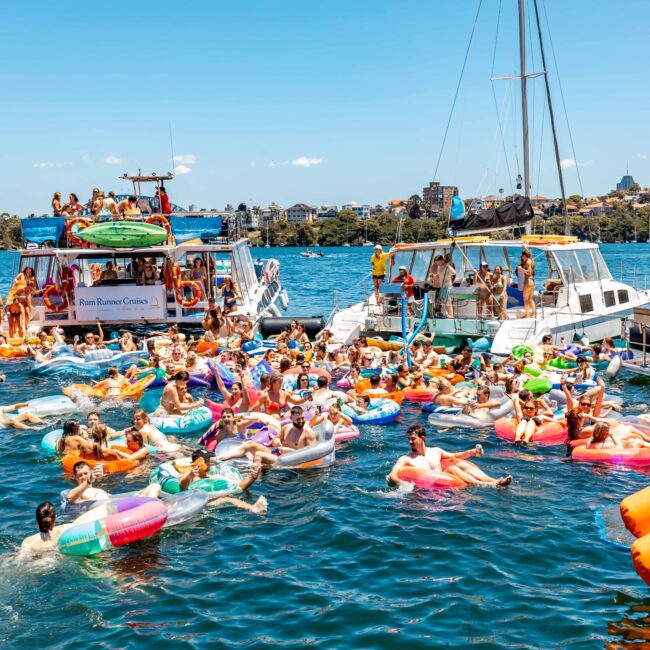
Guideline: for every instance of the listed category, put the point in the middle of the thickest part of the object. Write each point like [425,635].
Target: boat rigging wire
[453,105]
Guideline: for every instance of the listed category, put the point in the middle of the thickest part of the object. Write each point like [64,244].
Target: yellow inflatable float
[128,390]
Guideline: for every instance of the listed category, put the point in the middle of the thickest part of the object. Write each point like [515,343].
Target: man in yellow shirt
[378,263]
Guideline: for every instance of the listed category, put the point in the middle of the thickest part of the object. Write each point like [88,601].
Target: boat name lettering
[103,302]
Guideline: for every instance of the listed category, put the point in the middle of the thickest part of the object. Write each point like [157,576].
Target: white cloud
[642,156]
[304,161]
[567,163]
[185,159]
[113,160]
[52,165]
[182,169]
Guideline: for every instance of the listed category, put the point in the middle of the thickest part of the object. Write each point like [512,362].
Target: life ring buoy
[271,271]
[177,274]
[53,288]
[163,222]
[83,223]
[196,293]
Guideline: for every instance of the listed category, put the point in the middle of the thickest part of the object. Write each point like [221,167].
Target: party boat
[85,267]
[577,295]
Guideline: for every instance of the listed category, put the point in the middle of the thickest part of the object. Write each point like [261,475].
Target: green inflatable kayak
[123,234]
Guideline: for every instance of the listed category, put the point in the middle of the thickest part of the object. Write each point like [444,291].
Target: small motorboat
[312,254]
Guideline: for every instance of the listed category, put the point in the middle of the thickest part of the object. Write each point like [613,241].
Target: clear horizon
[310,103]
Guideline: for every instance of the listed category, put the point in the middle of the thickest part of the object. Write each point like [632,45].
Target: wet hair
[375,379]
[226,411]
[113,372]
[285,364]
[79,465]
[70,428]
[597,348]
[300,377]
[202,453]
[297,410]
[417,430]
[181,375]
[525,395]
[321,382]
[45,516]
[137,437]
[100,434]
[483,390]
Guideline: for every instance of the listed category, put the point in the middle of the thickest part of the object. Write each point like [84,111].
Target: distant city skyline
[318,103]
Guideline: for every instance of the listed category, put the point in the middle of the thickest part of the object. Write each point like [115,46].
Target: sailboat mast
[524,96]
[567,225]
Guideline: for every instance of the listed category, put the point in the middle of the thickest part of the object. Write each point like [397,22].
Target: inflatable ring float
[110,466]
[113,524]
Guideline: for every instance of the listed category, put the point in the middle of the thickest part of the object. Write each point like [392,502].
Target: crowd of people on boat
[490,285]
[265,400]
[105,203]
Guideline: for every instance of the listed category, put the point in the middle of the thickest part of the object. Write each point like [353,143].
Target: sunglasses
[585,404]
[529,408]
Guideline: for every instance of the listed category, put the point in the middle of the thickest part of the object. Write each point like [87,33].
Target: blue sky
[321,102]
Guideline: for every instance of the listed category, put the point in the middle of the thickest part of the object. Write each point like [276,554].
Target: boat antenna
[171,147]
[567,224]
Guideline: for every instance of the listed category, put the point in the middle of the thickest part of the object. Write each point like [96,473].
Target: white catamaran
[575,293]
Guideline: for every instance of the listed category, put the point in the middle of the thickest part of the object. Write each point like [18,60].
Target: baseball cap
[402,268]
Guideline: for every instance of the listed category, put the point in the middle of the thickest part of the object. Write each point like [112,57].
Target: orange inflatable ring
[550,433]
[83,223]
[196,293]
[159,220]
[110,466]
[128,390]
[53,288]
[204,346]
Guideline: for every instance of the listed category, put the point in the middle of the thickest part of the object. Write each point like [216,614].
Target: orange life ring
[163,222]
[53,288]
[196,293]
[83,223]
[177,274]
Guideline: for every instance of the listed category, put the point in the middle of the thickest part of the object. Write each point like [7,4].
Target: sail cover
[186,228]
[38,230]
[507,215]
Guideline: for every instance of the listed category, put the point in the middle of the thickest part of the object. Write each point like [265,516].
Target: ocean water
[340,560]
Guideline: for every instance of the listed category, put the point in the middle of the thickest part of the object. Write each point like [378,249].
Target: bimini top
[40,230]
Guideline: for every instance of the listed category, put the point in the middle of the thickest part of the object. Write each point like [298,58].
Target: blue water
[340,561]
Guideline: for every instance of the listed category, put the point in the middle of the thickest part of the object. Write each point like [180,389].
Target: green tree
[416,208]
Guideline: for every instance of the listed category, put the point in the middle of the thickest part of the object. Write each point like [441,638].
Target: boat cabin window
[43,267]
[119,269]
[569,266]
[601,266]
[587,264]
[610,300]
[421,263]
[401,258]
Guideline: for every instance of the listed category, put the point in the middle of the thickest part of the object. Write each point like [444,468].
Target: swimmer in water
[48,534]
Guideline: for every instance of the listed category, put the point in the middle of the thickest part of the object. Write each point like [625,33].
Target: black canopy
[507,215]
